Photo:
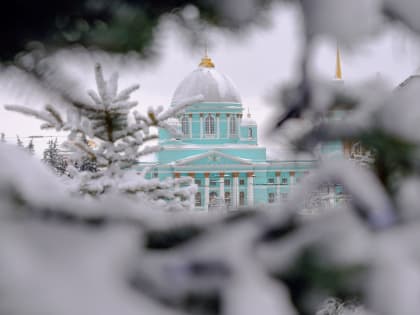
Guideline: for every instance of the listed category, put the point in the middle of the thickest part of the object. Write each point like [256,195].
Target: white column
[190,123]
[278,183]
[222,188]
[331,195]
[228,126]
[292,180]
[206,191]
[250,191]
[235,191]
[217,126]
[201,126]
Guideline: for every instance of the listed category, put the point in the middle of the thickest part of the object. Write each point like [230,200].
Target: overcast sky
[258,63]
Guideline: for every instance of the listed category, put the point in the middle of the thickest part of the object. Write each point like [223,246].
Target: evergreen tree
[30,147]
[86,164]
[19,142]
[53,158]
[122,136]
[273,262]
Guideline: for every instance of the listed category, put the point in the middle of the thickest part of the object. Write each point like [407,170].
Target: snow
[56,260]
[404,100]
[208,82]
[336,18]
[121,138]
[405,10]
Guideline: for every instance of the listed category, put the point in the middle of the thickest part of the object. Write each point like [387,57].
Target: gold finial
[206,60]
[249,114]
[338,72]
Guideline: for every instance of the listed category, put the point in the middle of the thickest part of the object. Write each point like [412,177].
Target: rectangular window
[227,182]
[213,182]
[242,198]
[271,197]
[271,180]
[242,182]
[284,181]
[198,182]
[155,175]
[227,199]
[198,199]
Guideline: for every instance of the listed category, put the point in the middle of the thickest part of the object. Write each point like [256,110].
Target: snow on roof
[213,85]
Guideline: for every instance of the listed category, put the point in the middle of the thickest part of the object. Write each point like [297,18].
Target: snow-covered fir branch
[108,133]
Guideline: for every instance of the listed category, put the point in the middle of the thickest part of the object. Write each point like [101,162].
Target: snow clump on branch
[120,136]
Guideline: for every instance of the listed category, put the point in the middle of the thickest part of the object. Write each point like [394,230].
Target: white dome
[207,81]
[248,122]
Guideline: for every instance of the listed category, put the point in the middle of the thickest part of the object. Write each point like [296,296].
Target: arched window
[185,126]
[233,126]
[249,132]
[210,129]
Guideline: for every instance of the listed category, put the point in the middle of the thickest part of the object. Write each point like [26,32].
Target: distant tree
[53,158]
[30,147]
[19,142]
[86,164]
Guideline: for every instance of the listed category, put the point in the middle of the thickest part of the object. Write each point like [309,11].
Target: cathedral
[218,147]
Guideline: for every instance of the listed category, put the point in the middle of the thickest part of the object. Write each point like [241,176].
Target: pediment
[213,157]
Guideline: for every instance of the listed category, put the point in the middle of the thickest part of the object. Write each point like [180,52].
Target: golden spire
[249,113]
[338,72]
[206,60]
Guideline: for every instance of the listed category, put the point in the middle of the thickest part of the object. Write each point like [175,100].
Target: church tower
[336,149]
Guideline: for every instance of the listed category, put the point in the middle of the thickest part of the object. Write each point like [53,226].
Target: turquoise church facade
[218,147]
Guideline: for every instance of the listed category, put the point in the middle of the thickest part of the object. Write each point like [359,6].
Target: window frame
[271,197]
[185,126]
[227,198]
[241,198]
[209,126]
[233,126]
[198,199]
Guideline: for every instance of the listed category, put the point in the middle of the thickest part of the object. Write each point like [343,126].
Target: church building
[218,147]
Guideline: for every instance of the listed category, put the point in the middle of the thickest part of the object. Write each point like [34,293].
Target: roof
[208,82]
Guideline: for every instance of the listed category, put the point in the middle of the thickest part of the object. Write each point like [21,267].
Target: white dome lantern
[208,82]
[248,121]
